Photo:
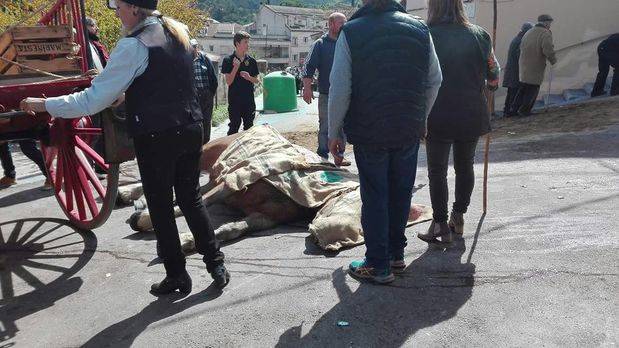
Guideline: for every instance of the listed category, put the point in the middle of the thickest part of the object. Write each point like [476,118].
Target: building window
[294,57]
[211,48]
[305,39]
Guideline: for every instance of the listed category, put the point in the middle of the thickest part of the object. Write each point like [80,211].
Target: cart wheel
[71,161]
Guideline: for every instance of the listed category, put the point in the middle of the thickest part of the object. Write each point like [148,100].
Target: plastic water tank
[279,92]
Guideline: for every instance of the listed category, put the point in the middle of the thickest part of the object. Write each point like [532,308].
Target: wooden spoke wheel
[85,186]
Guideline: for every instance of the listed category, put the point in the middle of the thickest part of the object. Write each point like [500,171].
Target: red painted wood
[92,154]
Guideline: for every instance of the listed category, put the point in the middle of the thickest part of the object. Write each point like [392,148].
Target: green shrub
[220,114]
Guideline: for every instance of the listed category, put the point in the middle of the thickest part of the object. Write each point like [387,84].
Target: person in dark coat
[608,54]
[459,116]
[510,79]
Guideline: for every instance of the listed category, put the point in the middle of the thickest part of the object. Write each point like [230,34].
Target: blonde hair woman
[153,67]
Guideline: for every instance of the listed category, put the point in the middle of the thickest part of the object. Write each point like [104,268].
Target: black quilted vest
[164,96]
[389,51]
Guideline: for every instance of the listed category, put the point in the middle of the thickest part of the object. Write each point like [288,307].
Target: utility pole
[266,38]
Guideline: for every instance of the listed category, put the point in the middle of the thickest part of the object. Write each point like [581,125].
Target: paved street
[541,268]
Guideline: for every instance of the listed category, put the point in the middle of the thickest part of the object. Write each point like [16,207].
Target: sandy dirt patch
[593,115]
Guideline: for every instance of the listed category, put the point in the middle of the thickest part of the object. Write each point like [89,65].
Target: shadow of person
[123,333]
[431,290]
[33,251]
[34,302]
[25,196]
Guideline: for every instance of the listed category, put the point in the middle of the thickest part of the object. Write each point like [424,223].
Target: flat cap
[545,18]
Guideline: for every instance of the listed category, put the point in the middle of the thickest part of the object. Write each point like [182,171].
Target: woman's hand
[33,105]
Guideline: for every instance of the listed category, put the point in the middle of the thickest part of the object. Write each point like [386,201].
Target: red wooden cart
[87,197]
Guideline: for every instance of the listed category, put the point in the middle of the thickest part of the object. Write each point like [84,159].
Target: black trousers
[438,161]
[604,65]
[29,148]
[509,101]
[240,111]
[171,160]
[525,98]
[206,99]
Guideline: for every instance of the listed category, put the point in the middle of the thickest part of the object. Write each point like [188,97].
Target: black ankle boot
[168,285]
[221,276]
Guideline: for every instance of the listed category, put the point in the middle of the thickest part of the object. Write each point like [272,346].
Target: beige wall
[578,28]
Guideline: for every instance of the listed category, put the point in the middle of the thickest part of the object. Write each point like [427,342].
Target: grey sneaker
[456,222]
[437,230]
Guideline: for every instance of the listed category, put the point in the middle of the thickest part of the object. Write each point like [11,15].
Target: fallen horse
[274,182]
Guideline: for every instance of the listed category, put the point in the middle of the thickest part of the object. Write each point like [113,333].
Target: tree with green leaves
[185,11]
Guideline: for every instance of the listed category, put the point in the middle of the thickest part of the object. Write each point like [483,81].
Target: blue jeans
[29,148]
[323,125]
[387,177]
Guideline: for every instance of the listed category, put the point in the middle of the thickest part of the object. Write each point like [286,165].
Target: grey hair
[90,21]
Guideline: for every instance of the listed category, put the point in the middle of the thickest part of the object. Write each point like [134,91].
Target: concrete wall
[276,23]
[578,28]
[221,46]
[303,44]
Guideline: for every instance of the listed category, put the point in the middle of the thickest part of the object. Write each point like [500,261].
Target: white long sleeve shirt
[128,60]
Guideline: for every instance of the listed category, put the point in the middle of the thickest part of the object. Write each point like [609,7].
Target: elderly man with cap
[535,49]
[206,85]
[153,66]
[511,80]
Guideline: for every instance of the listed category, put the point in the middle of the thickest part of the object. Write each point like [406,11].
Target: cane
[547,97]
[485,194]
[491,109]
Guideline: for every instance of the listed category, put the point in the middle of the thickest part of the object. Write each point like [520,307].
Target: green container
[279,92]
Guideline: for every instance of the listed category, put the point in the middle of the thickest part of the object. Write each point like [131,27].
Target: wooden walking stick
[491,107]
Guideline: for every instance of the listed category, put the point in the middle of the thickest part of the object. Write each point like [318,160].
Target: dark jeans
[600,82]
[206,104]
[98,142]
[29,148]
[240,111]
[508,109]
[171,160]
[387,177]
[525,98]
[438,160]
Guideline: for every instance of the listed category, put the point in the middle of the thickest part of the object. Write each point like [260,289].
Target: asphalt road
[539,269]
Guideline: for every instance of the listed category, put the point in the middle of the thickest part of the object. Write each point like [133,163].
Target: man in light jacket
[536,48]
